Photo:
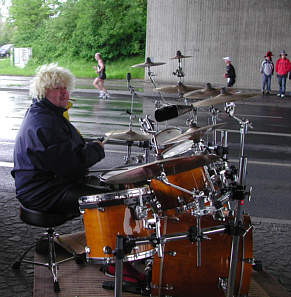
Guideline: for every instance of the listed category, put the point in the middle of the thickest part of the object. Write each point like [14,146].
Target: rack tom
[108,214]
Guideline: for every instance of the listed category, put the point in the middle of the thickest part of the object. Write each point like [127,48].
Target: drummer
[51,159]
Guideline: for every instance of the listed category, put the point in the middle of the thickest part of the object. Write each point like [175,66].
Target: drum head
[177,149]
[167,134]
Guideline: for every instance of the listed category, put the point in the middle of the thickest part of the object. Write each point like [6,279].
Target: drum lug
[171,253]
[107,250]
[167,287]
[222,283]
[87,252]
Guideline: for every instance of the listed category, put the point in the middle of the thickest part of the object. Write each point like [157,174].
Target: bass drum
[177,274]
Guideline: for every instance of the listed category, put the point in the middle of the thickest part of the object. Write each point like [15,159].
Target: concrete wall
[211,29]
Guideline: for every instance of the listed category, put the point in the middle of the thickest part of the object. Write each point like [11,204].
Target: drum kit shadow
[181,214]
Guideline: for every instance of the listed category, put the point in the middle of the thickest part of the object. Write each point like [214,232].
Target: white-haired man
[98,82]
[51,159]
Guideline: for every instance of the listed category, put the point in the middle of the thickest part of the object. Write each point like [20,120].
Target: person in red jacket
[282,67]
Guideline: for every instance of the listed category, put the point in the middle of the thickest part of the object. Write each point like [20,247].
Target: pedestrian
[282,67]
[98,82]
[267,70]
[51,159]
[229,72]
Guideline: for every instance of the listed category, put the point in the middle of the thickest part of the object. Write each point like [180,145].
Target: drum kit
[181,214]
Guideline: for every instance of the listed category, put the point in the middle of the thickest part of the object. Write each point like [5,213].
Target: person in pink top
[282,67]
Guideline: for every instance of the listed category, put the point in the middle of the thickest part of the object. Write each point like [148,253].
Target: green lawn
[81,69]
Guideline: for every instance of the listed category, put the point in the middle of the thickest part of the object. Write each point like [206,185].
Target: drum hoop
[127,258]
[91,201]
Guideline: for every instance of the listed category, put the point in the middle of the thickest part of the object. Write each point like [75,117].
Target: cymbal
[180,57]
[171,166]
[128,135]
[179,88]
[194,133]
[208,91]
[148,64]
[223,97]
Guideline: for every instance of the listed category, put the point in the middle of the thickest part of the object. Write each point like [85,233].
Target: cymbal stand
[239,194]
[214,115]
[148,127]
[192,122]
[151,77]
[127,158]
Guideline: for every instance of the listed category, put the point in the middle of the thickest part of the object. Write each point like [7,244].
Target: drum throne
[49,221]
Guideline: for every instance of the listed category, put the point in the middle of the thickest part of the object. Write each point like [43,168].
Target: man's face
[283,56]
[58,96]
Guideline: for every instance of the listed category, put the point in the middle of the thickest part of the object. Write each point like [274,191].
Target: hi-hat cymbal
[194,133]
[223,97]
[148,64]
[179,88]
[208,91]
[151,170]
[128,135]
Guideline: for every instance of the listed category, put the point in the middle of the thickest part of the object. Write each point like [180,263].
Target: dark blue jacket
[49,156]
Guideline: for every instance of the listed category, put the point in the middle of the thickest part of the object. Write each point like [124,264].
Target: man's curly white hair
[50,76]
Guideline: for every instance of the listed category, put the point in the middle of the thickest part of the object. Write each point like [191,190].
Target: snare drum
[108,214]
[177,274]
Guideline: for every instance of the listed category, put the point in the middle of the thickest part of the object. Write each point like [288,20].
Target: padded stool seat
[40,218]
[49,221]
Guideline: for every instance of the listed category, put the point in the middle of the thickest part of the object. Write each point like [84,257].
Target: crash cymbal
[179,88]
[171,166]
[208,91]
[194,133]
[128,135]
[223,97]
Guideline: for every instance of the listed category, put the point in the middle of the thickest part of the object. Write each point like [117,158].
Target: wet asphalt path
[267,144]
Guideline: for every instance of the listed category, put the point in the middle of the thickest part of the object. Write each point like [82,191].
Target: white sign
[21,56]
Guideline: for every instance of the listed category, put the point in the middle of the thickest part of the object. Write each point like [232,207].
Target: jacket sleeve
[261,68]
[64,157]
[276,65]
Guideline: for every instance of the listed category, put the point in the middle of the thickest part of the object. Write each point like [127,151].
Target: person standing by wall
[229,72]
[98,82]
[267,70]
[282,67]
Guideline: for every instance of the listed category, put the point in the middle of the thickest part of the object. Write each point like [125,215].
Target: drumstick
[107,138]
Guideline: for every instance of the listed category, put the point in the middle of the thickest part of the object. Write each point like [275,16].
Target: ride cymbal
[179,88]
[208,91]
[128,135]
[148,63]
[180,57]
[171,166]
[223,97]
[194,133]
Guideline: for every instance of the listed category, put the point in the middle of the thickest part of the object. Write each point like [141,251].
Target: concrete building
[209,30]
